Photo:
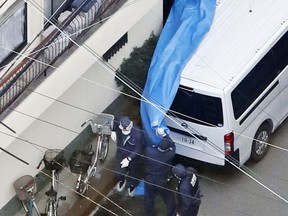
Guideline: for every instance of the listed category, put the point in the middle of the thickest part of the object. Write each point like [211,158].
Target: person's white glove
[125,162]
[113,136]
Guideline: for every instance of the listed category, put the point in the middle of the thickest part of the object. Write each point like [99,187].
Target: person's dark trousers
[192,211]
[132,169]
[195,210]
[120,172]
[167,196]
[134,172]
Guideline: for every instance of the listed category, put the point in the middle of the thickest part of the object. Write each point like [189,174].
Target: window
[280,52]
[53,8]
[13,32]
[198,108]
[253,84]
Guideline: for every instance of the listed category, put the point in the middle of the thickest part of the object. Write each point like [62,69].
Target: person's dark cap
[164,146]
[179,170]
[191,170]
[125,123]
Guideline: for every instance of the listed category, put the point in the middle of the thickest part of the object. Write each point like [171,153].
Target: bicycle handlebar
[39,164]
[88,120]
[84,123]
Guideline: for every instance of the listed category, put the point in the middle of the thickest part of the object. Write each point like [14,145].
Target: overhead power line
[106,66]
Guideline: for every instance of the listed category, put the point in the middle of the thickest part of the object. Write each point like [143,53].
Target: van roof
[239,33]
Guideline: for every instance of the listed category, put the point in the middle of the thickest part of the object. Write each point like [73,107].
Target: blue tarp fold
[187,24]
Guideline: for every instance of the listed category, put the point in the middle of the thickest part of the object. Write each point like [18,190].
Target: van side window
[253,84]
[280,52]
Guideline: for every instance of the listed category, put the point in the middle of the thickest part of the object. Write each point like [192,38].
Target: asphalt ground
[127,205]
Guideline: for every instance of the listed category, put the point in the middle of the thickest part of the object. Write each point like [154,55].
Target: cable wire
[188,131]
[171,190]
[107,67]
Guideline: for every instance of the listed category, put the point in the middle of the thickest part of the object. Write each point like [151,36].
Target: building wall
[34,22]
[5,5]
[81,85]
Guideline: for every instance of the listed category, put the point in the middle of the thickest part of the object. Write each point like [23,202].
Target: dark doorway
[167,4]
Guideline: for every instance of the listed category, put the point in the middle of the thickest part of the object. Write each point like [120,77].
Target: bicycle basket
[25,187]
[105,121]
[54,159]
[79,162]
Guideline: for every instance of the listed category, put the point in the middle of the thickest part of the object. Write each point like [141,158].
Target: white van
[234,89]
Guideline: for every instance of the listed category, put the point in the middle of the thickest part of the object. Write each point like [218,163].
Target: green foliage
[135,68]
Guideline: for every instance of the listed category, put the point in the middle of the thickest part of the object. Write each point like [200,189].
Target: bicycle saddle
[88,152]
[51,192]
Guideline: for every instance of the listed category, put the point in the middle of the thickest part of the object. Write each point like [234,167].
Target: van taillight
[229,143]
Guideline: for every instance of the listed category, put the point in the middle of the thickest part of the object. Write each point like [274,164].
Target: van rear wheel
[259,145]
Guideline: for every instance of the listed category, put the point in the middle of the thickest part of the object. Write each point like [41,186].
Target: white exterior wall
[34,25]
[75,83]
[6,5]
[35,22]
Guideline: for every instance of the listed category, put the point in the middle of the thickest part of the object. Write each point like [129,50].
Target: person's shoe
[131,191]
[120,185]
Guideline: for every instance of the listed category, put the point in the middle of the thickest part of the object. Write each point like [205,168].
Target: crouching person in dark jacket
[157,169]
[189,196]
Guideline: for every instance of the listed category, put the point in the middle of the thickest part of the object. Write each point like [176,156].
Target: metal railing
[47,52]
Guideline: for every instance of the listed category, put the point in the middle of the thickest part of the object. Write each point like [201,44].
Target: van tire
[260,149]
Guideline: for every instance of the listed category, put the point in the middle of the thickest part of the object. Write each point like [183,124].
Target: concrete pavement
[74,203]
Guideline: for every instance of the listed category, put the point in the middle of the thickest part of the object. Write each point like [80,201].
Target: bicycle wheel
[55,181]
[103,152]
[36,208]
[28,207]
[51,207]
[82,187]
[24,204]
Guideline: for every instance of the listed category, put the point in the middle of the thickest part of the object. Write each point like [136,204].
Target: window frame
[4,20]
[281,60]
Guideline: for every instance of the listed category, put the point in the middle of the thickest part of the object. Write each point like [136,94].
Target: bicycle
[25,188]
[84,162]
[54,161]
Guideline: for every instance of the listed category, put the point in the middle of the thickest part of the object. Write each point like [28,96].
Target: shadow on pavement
[128,205]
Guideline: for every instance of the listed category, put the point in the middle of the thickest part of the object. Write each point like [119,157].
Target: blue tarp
[187,24]
[140,189]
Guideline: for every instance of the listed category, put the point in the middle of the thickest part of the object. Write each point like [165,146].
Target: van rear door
[197,126]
